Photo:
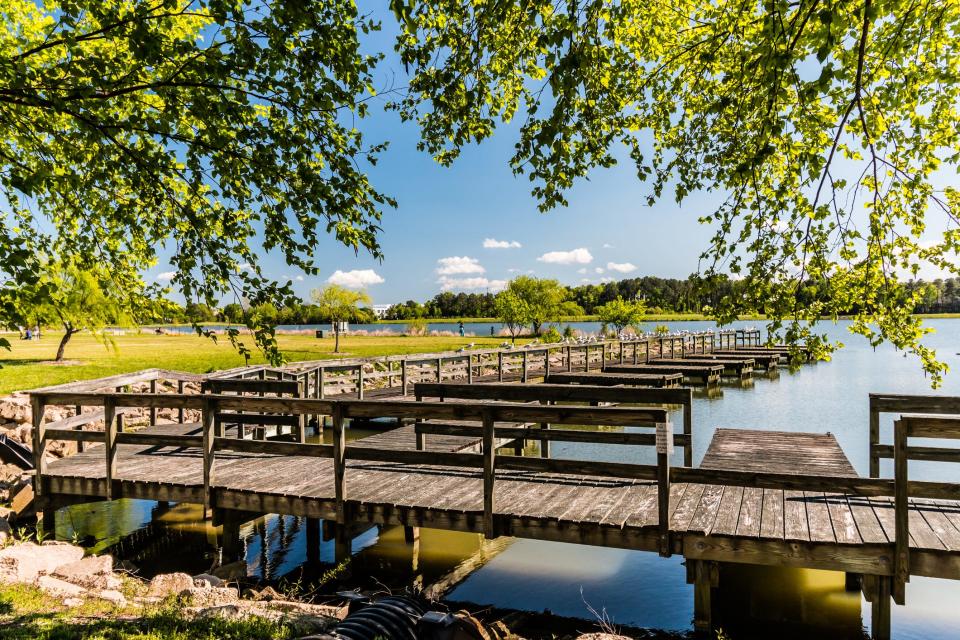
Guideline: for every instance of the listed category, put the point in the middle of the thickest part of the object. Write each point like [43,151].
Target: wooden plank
[795,524]
[729,514]
[772,517]
[841,517]
[818,516]
[707,511]
[751,511]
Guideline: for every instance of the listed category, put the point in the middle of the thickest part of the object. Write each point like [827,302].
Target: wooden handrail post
[500,366]
[688,431]
[523,378]
[360,382]
[209,412]
[469,368]
[403,375]
[874,440]
[38,409]
[663,496]
[340,463]
[489,474]
[546,362]
[153,410]
[320,376]
[545,443]
[901,561]
[110,428]
[180,410]
[569,359]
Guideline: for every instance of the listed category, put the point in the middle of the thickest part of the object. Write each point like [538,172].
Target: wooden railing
[930,417]
[212,440]
[565,394]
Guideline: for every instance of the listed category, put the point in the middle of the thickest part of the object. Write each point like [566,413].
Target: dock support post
[411,534]
[48,515]
[901,559]
[313,540]
[489,473]
[342,547]
[663,502]
[880,608]
[705,578]
[231,545]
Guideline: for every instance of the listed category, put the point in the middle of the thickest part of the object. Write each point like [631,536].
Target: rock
[169,584]
[73,602]
[268,594]
[23,500]
[231,571]
[25,562]
[5,532]
[87,571]
[206,580]
[304,619]
[60,588]
[114,596]
[209,596]
[601,636]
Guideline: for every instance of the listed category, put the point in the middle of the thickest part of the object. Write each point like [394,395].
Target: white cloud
[166,276]
[471,284]
[582,270]
[598,270]
[576,256]
[299,278]
[621,267]
[244,266]
[458,264]
[491,243]
[356,279]
[607,245]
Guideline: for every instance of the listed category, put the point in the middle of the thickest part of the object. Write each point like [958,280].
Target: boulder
[205,580]
[25,562]
[5,532]
[209,596]
[304,619]
[60,588]
[114,596]
[89,572]
[167,584]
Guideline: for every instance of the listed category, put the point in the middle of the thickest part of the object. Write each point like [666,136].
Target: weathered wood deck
[819,529]
[706,373]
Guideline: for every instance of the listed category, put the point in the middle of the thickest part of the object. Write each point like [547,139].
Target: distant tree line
[659,295]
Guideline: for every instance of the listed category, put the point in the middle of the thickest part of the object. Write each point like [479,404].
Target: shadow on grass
[161,625]
[22,362]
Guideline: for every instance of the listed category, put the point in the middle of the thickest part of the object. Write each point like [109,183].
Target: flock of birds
[593,339]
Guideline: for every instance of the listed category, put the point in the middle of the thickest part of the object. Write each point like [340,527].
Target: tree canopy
[216,129]
[826,129]
[339,304]
[621,313]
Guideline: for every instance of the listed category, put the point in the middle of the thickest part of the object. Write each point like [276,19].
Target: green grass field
[29,365]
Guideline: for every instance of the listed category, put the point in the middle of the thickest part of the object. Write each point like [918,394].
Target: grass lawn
[29,364]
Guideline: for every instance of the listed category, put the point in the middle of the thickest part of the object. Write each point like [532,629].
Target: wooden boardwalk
[708,521]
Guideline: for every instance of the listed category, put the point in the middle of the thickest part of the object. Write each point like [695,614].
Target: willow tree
[211,130]
[826,130]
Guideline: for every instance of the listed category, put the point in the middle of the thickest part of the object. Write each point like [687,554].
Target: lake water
[634,588]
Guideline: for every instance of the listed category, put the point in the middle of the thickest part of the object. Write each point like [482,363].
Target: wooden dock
[705,373]
[774,498]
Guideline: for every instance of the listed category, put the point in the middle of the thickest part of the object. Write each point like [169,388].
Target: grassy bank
[650,317]
[29,363]
[27,613]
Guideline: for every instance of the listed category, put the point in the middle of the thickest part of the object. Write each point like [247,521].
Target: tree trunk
[63,342]
[336,337]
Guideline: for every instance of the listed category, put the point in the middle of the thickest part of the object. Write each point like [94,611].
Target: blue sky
[434,239]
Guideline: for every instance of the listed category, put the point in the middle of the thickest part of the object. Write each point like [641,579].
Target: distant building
[380,310]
